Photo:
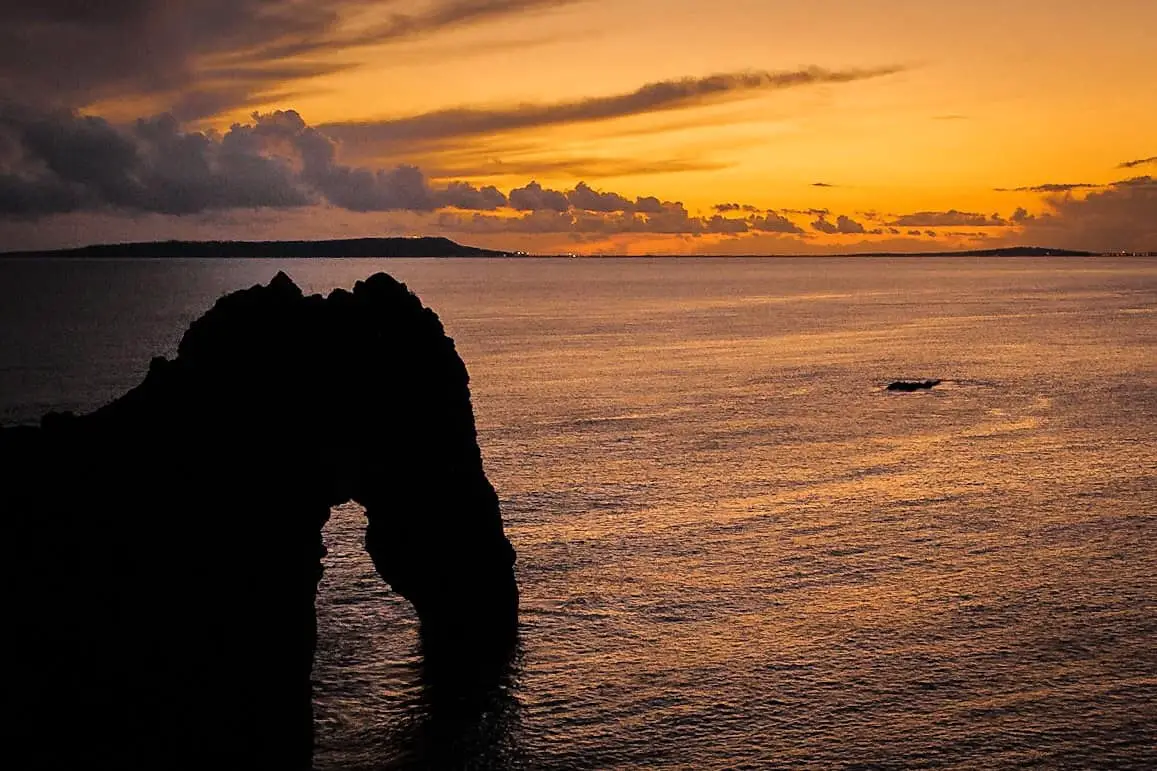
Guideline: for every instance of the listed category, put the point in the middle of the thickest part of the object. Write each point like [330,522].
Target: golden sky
[832,125]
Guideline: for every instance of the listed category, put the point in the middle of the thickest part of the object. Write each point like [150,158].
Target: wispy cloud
[1049,187]
[723,208]
[442,167]
[448,15]
[1138,162]
[946,219]
[653,97]
[197,58]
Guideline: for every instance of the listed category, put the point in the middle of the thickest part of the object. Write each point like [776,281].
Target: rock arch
[164,550]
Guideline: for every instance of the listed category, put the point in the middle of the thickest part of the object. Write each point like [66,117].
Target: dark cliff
[163,552]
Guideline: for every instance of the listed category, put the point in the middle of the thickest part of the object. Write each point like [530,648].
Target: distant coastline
[351,247]
[421,247]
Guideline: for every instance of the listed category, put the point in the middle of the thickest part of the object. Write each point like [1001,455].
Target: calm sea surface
[736,549]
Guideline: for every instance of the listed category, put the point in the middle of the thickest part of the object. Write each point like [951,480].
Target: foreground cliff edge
[163,553]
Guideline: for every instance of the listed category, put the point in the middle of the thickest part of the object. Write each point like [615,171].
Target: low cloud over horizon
[60,162]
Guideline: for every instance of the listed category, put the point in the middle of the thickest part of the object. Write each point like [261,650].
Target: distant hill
[352,247]
[1010,251]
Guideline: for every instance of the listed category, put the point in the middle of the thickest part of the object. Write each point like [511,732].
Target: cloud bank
[1122,216]
[58,162]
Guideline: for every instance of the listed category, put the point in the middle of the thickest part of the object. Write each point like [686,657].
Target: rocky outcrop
[908,386]
[163,553]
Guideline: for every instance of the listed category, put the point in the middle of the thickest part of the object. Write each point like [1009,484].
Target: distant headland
[1008,251]
[426,246]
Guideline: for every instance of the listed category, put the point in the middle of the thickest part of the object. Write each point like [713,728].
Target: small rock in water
[913,385]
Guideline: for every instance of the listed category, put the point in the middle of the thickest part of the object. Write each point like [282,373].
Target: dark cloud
[1138,162]
[648,204]
[774,223]
[74,52]
[947,219]
[1020,216]
[848,225]
[462,195]
[652,97]
[361,189]
[821,184]
[586,198]
[1049,187]
[1122,216]
[1145,181]
[196,58]
[842,225]
[534,197]
[671,218]
[58,161]
[67,162]
[823,226]
[720,224]
[723,208]
[674,220]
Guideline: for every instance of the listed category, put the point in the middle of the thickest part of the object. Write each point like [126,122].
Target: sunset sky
[591,126]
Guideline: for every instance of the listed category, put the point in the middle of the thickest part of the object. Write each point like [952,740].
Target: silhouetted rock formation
[913,385]
[163,553]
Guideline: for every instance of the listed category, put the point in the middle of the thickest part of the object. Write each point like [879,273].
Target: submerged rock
[163,552]
[913,385]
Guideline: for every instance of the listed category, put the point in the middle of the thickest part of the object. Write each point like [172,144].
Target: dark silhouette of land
[412,247]
[351,247]
[163,552]
[1010,251]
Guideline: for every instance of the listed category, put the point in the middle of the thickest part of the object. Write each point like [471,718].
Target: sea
[736,548]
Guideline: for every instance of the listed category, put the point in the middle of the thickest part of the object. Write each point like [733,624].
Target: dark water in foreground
[735,549]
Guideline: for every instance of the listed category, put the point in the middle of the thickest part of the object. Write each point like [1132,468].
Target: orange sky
[911,107]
